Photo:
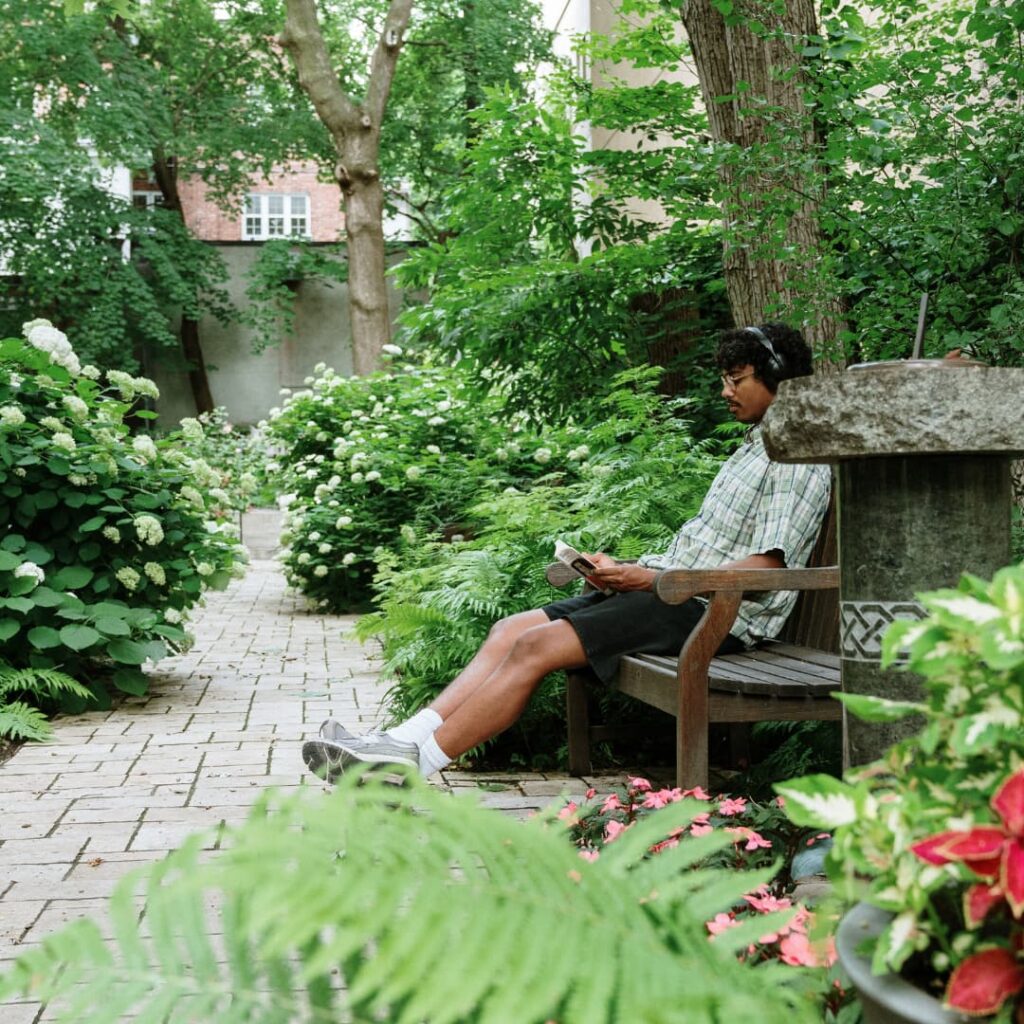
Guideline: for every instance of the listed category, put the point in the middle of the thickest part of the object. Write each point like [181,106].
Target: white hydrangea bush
[106,538]
[361,458]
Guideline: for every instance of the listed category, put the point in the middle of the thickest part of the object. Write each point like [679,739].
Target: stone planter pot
[885,998]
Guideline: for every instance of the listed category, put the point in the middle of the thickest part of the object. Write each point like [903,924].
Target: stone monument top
[907,407]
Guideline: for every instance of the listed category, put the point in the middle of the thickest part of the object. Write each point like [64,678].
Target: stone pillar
[922,450]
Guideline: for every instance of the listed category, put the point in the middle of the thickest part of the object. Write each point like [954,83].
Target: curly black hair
[742,346]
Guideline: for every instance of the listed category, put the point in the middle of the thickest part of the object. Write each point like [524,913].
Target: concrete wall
[246,384]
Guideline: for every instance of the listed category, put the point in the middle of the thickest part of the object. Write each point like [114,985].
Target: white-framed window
[275,216]
[145,199]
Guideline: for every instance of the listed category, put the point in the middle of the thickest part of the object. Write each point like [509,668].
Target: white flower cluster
[112,533]
[192,429]
[76,406]
[193,497]
[128,578]
[41,334]
[149,530]
[542,455]
[64,441]
[155,571]
[29,570]
[144,448]
[11,416]
[128,386]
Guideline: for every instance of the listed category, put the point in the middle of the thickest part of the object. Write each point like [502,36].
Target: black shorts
[632,622]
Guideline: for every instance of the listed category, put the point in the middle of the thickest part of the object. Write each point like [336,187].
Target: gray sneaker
[379,750]
[334,731]
[328,760]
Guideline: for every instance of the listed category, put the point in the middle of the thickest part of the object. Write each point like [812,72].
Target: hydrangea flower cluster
[41,334]
[367,456]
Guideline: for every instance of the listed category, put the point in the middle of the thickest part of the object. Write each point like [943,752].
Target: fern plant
[405,905]
[21,720]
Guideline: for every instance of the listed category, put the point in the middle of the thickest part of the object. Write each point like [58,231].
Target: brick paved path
[119,788]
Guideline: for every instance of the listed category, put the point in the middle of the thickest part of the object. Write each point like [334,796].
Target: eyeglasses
[730,380]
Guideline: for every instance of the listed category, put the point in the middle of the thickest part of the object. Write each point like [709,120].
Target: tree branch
[385,57]
[302,37]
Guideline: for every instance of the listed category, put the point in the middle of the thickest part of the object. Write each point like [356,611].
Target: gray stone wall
[246,384]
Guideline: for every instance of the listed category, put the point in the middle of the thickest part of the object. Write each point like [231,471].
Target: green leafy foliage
[171,89]
[642,477]
[106,539]
[511,295]
[375,903]
[969,653]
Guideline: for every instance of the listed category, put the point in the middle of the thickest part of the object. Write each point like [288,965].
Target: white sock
[432,757]
[418,728]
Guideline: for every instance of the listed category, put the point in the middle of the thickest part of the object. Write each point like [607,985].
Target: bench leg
[691,751]
[577,708]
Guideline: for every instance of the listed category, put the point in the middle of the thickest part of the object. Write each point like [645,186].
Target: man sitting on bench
[758,514]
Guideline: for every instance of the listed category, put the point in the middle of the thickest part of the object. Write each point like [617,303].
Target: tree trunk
[367,281]
[355,129]
[166,174]
[760,75]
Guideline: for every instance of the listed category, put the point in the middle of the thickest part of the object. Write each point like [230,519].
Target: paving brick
[19,1013]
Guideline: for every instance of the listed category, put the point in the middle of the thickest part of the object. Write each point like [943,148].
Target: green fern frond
[376,903]
[42,682]
[21,721]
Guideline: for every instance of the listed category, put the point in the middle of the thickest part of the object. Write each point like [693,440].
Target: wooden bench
[789,679]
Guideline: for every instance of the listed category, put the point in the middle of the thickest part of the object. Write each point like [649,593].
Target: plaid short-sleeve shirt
[753,506]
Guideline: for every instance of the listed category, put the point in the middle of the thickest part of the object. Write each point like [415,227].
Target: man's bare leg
[491,654]
[486,706]
[498,700]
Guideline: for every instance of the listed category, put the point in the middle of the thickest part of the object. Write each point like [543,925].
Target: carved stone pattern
[862,624]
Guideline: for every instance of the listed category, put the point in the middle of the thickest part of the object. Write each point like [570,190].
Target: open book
[579,564]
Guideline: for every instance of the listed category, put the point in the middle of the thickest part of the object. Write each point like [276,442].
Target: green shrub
[365,456]
[643,476]
[239,458]
[106,540]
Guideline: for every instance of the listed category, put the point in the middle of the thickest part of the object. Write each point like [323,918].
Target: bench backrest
[814,621]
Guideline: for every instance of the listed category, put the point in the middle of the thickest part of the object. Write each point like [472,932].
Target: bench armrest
[673,586]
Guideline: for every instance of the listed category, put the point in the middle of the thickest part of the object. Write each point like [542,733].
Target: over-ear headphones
[776,363]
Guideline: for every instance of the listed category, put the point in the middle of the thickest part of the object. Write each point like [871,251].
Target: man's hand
[620,575]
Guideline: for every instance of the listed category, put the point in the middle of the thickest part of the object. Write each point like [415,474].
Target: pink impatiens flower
[697,793]
[728,806]
[611,803]
[640,785]
[613,830]
[764,902]
[755,841]
[661,798]
[568,812]
[796,950]
[700,826]
[720,923]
